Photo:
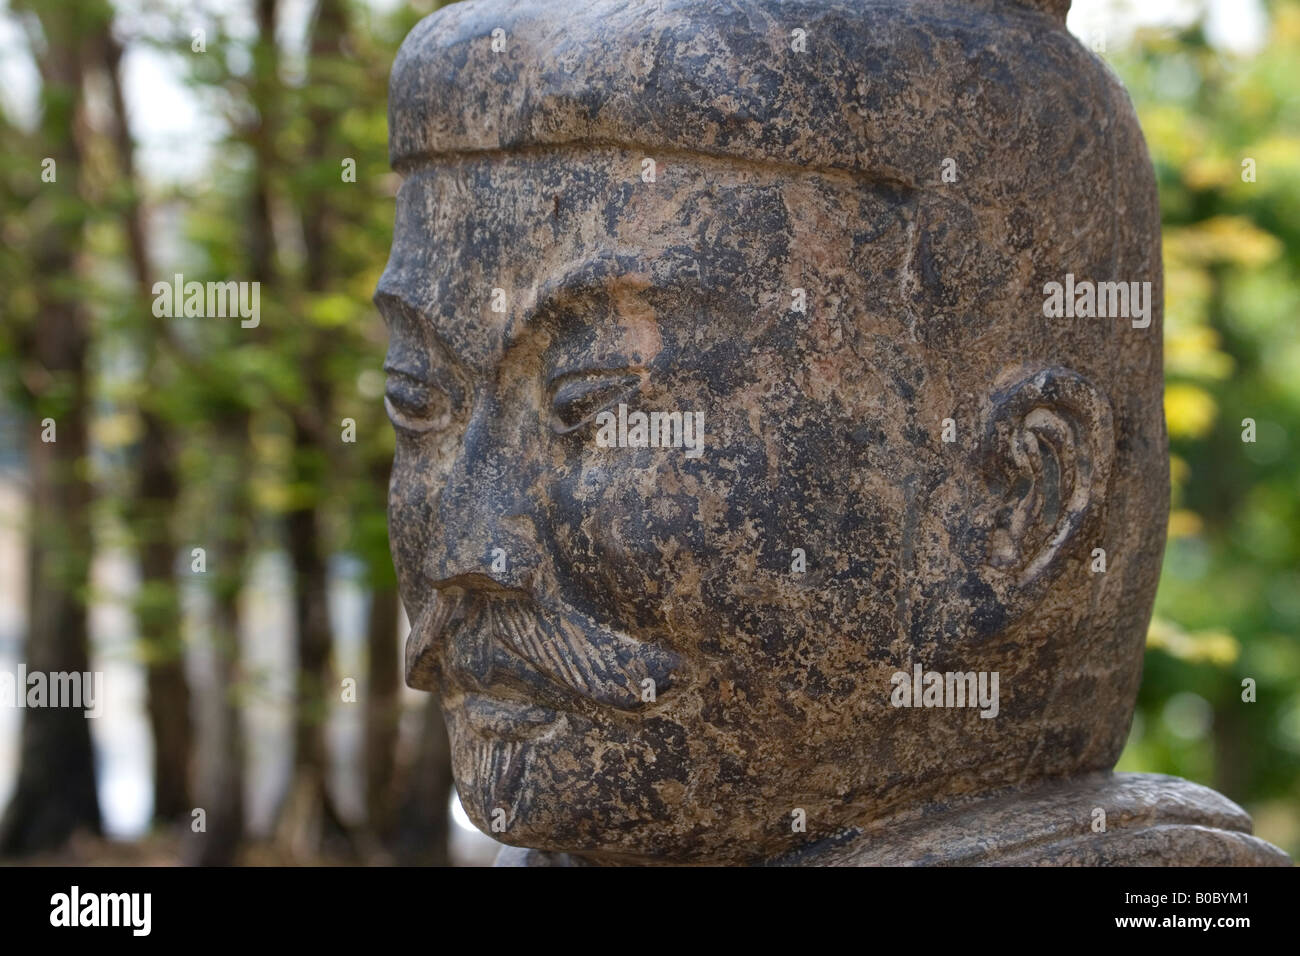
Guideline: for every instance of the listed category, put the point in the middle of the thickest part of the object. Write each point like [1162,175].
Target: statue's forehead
[517,222]
[540,186]
[524,212]
[489,248]
[697,238]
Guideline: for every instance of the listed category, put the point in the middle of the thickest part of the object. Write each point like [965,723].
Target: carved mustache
[492,637]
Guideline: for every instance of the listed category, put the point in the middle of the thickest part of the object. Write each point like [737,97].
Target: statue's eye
[578,399]
[416,406]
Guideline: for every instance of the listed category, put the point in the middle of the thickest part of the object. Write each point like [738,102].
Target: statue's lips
[507,717]
[491,641]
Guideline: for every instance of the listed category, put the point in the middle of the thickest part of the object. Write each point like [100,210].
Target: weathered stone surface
[840,260]
[1150,820]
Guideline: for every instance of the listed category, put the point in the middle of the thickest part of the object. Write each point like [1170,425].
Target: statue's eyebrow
[558,305]
[588,281]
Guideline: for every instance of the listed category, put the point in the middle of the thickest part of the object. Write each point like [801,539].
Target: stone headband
[914,83]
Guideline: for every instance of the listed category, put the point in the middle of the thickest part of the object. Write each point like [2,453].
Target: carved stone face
[643,646]
[667,651]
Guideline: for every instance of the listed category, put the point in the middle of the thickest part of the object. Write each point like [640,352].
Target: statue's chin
[490,775]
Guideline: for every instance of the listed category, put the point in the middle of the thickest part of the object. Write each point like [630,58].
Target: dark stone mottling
[779,170]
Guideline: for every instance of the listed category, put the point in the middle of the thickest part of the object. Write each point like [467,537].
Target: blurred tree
[151,505]
[50,335]
[204,434]
[425,781]
[1224,132]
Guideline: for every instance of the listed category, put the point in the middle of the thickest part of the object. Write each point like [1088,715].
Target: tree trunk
[423,834]
[310,823]
[221,775]
[383,711]
[158,612]
[55,792]
[151,511]
[221,778]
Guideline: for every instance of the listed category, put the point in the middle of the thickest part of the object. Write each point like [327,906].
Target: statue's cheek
[623,531]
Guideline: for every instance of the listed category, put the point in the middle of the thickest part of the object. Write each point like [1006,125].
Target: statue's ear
[1046,452]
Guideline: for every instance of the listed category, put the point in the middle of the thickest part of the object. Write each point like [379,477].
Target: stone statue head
[842,248]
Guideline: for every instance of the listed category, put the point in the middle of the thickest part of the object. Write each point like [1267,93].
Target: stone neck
[1102,819]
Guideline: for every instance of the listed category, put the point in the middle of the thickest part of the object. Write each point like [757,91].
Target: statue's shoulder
[1125,819]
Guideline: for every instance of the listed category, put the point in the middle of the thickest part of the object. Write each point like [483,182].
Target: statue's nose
[489,523]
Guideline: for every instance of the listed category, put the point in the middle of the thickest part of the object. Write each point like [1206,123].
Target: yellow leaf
[1189,410]
[1208,647]
[1184,523]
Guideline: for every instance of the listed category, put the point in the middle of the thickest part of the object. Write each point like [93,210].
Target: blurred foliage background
[1224,134]
[183,433]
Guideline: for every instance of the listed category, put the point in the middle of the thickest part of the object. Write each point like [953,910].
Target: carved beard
[517,683]
[491,773]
